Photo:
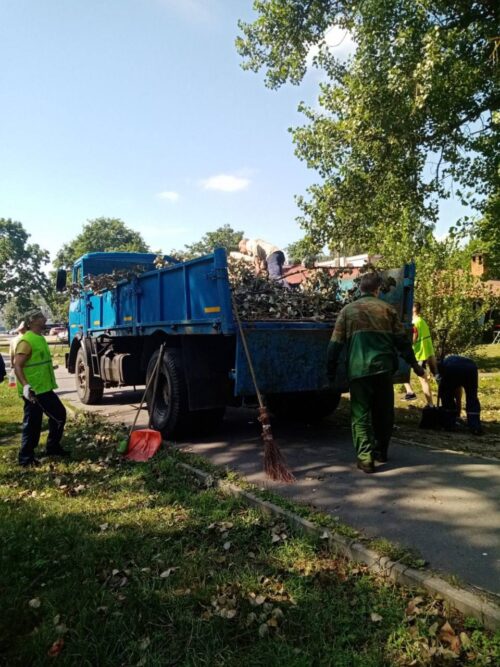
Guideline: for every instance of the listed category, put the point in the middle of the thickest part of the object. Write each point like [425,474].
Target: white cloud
[169,195]
[339,42]
[225,183]
[192,10]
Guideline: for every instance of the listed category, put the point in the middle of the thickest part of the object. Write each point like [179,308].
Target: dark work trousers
[275,263]
[32,425]
[372,414]
[453,377]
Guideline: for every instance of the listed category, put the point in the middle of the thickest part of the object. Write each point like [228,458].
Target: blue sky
[139,109]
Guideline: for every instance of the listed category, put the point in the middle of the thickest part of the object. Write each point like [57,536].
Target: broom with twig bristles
[274,462]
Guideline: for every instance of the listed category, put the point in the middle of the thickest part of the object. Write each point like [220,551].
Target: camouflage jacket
[373,334]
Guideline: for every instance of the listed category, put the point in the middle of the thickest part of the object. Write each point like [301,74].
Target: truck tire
[306,406]
[169,411]
[89,388]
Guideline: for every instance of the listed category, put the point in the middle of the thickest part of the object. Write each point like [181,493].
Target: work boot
[31,463]
[410,397]
[365,466]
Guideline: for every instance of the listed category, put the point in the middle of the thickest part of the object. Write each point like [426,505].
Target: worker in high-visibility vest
[424,354]
[36,383]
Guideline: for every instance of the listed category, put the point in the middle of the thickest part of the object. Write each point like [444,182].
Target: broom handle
[155,385]
[247,352]
[144,395]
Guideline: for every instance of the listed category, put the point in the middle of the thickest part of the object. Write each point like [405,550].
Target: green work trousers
[372,414]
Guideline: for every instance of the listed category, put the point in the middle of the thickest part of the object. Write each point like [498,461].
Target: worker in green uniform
[374,335]
[36,383]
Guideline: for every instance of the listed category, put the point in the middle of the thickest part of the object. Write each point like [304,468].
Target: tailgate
[287,357]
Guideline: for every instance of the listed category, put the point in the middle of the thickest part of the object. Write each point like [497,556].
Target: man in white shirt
[265,256]
[21,330]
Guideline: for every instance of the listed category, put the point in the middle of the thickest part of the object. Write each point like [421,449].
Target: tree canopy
[21,275]
[410,117]
[222,237]
[457,304]
[101,235]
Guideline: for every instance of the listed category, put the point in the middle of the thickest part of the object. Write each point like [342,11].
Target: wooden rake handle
[154,375]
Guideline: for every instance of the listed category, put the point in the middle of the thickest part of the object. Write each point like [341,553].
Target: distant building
[479,268]
[296,273]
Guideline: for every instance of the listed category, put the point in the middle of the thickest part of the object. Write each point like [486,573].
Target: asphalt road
[445,505]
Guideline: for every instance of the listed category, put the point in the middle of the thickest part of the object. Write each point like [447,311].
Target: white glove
[28,392]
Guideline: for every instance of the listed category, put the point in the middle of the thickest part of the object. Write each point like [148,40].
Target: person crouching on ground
[36,383]
[458,373]
[374,335]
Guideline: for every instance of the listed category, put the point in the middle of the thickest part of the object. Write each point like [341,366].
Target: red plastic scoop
[143,444]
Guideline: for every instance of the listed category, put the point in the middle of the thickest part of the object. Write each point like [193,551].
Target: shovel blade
[143,444]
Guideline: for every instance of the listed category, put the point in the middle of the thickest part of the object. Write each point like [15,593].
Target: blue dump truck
[115,338]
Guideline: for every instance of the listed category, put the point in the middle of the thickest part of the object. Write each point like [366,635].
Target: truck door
[77,308]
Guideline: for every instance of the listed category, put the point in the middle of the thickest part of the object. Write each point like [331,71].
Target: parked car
[56,330]
[62,336]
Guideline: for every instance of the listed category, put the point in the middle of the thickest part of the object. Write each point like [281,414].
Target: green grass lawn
[109,563]
[11,411]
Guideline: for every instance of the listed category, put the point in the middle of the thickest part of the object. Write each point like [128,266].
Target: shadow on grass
[149,569]
[488,363]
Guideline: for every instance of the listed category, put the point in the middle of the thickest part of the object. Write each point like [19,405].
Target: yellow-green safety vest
[422,347]
[38,369]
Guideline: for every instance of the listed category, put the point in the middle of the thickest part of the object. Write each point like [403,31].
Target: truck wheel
[306,406]
[169,411]
[88,387]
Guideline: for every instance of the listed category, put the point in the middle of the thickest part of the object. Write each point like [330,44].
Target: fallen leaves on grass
[224,604]
[166,573]
[447,636]
[144,643]
[56,648]
[279,532]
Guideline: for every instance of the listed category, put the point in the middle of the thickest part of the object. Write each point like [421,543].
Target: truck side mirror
[61,276]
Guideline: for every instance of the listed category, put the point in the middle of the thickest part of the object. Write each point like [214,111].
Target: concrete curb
[459,452]
[466,602]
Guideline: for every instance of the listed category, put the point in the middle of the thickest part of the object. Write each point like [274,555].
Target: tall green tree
[455,303]
[22,278]
[100,235]
[222,237]
[412,114]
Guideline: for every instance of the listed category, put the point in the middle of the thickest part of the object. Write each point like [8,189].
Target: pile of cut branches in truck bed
[319,296]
